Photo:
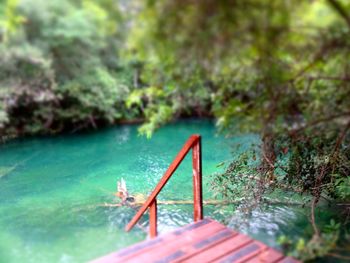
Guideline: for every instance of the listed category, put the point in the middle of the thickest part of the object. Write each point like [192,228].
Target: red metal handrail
[194,143]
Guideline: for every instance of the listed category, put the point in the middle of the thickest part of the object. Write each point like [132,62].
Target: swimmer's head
[130,199]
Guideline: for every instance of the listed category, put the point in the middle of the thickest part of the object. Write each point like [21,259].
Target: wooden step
[204,241]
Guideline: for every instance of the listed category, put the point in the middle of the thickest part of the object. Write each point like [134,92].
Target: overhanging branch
[340,10]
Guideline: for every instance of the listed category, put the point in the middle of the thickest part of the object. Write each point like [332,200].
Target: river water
[52,191]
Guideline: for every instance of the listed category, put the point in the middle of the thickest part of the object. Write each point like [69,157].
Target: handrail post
[197,180]
[194,143]
[153,219]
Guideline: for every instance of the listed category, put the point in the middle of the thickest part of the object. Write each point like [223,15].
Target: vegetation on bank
[59,66]
[66,66]
[277,68]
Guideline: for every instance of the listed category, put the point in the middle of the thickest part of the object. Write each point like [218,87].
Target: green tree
[279,68]
[60,66]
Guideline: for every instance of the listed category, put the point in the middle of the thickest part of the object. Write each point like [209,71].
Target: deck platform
[203,241]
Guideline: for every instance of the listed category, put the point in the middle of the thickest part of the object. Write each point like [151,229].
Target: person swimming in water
[127,199]
[122,192]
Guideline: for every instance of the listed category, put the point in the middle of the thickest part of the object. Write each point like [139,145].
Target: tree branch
[316,122]
[341,138]
[313,220]
[340,10]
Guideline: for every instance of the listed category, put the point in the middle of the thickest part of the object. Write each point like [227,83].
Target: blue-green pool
[52,189]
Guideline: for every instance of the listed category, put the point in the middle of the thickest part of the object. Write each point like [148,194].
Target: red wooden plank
[269,255]
[197,181]
[244,253]
[170,251]
[153,219]
[201,247]
[204,241]
[144,246]
[173,166]
[218,249]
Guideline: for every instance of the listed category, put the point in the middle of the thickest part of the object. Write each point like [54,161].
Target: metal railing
[194,143]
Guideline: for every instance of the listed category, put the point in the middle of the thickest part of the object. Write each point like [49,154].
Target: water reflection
[123,135]
[269,222]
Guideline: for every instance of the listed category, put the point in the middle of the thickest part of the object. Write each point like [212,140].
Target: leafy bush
[94,96]
[59,66]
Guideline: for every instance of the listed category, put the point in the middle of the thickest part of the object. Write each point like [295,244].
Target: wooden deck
[204,241]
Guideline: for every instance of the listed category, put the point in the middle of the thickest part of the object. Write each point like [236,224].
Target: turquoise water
[52,191]
[51,195]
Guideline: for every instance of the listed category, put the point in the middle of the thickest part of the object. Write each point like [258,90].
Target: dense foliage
[60,67]
[277,68]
